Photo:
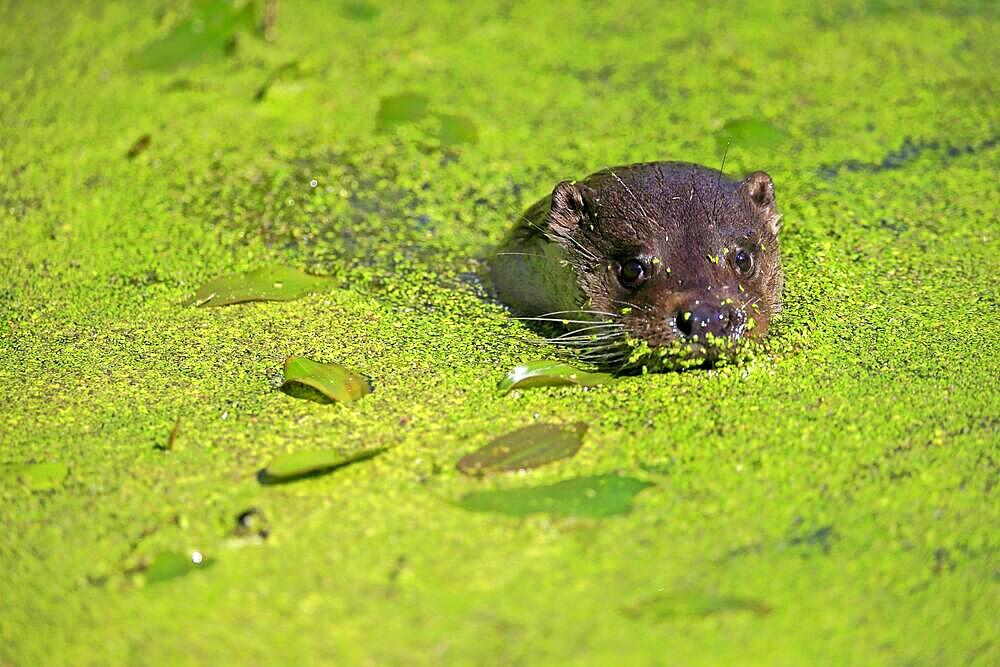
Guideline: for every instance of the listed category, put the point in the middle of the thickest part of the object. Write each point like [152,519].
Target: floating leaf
[749,133]
[293,70]
[527,447]
[171,564]
[595,496]
[140,145]
[361,11]
[543,373]
[35,476]
[208,33]
[692,603]
[270,283]
[297,465]
[457,130]
[288,71]
[401,109]
[332,380]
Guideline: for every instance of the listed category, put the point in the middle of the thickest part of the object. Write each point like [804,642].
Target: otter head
[682,259]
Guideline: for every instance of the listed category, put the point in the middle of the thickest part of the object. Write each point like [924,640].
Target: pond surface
[833,501]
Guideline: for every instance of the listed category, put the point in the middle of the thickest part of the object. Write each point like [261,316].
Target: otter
[659,265]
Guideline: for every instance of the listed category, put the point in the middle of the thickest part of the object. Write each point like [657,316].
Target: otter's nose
[700,318]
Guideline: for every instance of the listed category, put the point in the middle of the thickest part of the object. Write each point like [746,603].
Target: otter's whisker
[523,254]
[579,332]
[612,346]
[590,342]
[549,234]
[583,250]
[573,335]
[586,312]
[555,320]
[718,182]
[583,348]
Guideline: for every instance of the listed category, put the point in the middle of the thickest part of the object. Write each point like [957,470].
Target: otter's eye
[743,261]
[632,273]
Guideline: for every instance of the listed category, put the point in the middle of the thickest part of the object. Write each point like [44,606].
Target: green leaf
[595,496]
[332,380]
[293,70]
[270,283]
[692,603]
[543,373]
[208,33]
[749,133]
[35,476]
[457,130]
[171,564]
[527,447]
[400,109]
[297,465]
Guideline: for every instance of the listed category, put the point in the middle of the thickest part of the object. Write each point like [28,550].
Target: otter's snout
[700,318]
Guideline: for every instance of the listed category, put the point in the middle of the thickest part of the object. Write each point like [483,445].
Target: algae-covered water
[833,501]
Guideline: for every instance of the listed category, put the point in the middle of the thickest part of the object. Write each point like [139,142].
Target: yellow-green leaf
[296,465]
[270,283]
[544,373]
[207,33]
[332,380]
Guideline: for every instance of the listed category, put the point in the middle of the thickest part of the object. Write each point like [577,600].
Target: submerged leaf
[693,603]
[544,373]
[749,133]
[35,476]
[296,465]
[457,130]
[270,283]
[527,447]
[207,33]
[171,564]
[361,11]
[332,380]
[595,496]
[401,109]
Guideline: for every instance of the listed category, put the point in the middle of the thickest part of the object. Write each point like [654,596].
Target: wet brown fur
[684,219]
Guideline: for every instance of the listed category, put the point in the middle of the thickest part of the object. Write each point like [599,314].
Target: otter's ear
[571,204]
[758,191]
